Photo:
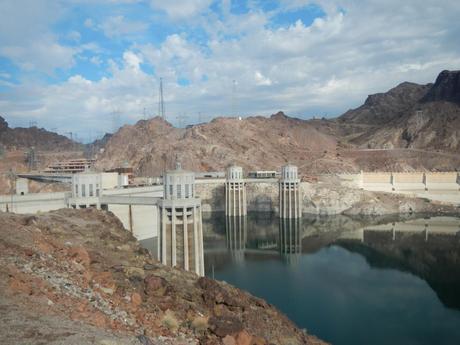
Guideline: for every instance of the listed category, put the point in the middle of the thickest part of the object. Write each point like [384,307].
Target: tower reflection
[236,235]
[290,242]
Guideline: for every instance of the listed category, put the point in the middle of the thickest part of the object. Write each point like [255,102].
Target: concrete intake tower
[181,232]
[235,192]
[289,193]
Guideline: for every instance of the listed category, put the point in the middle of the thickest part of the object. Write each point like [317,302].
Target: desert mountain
[416,120]
[254,143]
[411,116]
[41,139]
[381,108]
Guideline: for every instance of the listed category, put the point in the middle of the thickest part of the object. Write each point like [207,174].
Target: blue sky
[90,66]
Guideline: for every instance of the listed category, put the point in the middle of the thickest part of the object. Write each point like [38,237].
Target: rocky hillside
[411,116]
[381,108]
[78,277]
[41,139]
[254,143]
[412,123]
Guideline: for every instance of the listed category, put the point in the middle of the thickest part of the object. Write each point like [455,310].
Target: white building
[87,187]
[181,232]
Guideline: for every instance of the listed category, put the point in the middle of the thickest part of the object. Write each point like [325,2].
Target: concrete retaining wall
[441,177]
[144,221]
[417,177]
[34,202]
[379,177]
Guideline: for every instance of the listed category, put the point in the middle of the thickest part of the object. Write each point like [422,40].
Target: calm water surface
[348,281]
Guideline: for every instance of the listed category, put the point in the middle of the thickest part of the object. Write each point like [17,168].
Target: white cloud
[96,60]
[177,9]
[132,60]
[43,54]
[323,68]
[74,36]
[120,26]
[261,79]
[89,23]
[25,37]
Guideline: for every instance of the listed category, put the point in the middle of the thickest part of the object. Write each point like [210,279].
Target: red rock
[228,340]
[136,299]
[225,325]
[80,255]
[98,319]
[259,341]
[105,280]
[28,252]
[155,286]
[243,338]
[44,247]
[19,286]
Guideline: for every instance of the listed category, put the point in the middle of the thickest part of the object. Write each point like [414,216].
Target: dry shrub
[170,321]
[200,324]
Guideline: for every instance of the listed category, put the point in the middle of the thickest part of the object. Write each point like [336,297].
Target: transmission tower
[31,159]
[181,120]
[115,120]
[234,97]
[161,103]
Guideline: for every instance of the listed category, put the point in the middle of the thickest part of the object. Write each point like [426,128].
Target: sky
[89,66]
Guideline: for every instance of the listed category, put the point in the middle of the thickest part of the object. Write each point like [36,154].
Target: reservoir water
[347,281]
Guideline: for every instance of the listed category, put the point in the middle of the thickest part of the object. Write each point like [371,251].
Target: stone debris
[64,266]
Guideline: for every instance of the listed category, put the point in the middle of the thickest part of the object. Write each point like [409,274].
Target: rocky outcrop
[254,143]
[41,139]
[76,276]
[425,117]
[381,108]
[446,88]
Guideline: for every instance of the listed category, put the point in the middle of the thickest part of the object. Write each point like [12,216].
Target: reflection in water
[236,230]
[290,245]
[337,280]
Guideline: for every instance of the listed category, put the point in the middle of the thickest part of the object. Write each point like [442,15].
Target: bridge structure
[48,177]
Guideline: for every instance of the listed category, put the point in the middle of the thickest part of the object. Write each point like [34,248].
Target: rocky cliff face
[423,117]
[254,143]
[446,88]
[381,108]
[78,277]
[41,139]
[420,119]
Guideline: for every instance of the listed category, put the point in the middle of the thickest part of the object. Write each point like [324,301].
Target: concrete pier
[235,192]
[290,205]
[181,231]
[236,235]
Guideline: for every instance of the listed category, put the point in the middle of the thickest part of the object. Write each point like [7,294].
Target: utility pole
[161,103]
